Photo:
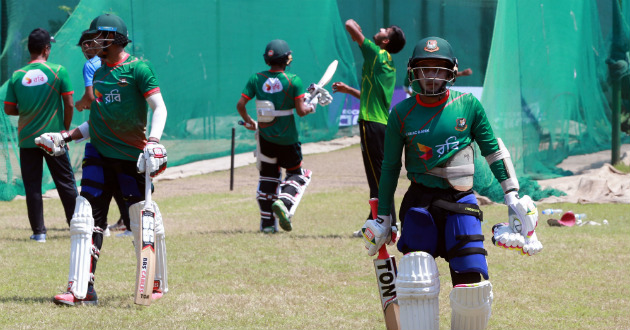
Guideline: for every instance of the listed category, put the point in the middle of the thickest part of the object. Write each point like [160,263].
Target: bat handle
[374,206]
[147,180]
[242,123]
[382,252]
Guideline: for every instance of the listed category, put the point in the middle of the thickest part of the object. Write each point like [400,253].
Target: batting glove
[378,232]
[532,245]
[53,144]
[157,159]
[325,98]
[522,212]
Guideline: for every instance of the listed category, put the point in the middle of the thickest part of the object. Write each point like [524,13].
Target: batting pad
[471,306]
[160,251]
[81,228]
[418,289]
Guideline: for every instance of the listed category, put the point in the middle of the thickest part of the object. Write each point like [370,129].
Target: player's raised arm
[355,32]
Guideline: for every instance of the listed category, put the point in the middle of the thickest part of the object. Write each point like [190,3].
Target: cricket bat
[145,271]
[326,78]
[385,267]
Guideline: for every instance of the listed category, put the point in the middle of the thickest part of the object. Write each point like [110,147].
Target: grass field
[223,274]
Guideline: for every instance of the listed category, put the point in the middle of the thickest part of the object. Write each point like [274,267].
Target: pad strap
[460,208]
[453,171]
[457,251]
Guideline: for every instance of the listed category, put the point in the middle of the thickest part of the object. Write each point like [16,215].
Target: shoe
[357,233]
[68,298]
[40,238]
[280,210]
[106,233]
[157,294]
[118,226]
[269,230]
[125,234]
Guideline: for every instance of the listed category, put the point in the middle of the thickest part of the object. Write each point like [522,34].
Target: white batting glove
[532,245]
[312,99]
[503,236]
[157,159]
[53,144]
[378,232]
[325,98]
[523,215]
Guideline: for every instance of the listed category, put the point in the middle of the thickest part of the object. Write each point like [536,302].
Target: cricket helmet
[431,48]
[277,52]
[101,38]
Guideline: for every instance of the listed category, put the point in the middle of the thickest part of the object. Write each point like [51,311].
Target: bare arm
[302,108]
[86,101]
[11,109]
[355,31]
[68,110]
[343,88]
[250,124]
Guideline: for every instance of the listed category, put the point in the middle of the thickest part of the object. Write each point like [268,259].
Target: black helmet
[276,52]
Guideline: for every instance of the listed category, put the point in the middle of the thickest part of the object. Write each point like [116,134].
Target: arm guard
[511,183]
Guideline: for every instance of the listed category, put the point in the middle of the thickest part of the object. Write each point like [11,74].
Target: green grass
[622,167]
[223,274]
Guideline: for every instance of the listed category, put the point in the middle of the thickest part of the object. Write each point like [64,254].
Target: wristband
[66,137]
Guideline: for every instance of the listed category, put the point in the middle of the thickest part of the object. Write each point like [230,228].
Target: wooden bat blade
[385,267]
[386,278]
[330,72]
[145,271]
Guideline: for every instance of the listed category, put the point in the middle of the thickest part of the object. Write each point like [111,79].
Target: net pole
[232,159]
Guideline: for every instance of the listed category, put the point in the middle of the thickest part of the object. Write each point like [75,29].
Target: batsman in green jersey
[439,213]
[41,95]
[277,93]
[378,79]
[115,159]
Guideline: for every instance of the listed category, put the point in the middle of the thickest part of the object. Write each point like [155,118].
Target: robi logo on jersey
[34,78]
[272,85]
[427,152]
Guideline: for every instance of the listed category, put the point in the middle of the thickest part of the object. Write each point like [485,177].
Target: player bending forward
[439,212]
[123,86]
[277,93]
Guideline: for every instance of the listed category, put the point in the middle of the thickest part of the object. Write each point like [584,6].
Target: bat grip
[147,180]
[382,252]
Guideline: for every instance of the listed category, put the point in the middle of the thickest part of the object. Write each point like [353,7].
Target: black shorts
[289,156]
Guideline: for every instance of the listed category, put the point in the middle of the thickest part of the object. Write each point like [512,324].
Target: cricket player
[114,158]
[277,93]
[439,213]
[41,95]
[378,79]
[91,65]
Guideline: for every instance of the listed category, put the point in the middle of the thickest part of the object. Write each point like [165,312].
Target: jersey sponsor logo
[422,131]
[272,85]
[122,82]
[99,96]
[427,152]
[34,78]
[431,46]
[113,96]
[461,124]
[447,146]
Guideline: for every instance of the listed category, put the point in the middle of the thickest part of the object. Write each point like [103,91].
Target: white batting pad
[418,288]
[81,228]
[161,274]
[471,306]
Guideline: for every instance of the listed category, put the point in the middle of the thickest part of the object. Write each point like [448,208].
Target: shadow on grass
[256,232]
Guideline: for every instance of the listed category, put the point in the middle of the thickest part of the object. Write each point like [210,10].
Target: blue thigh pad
[93,179]
[419,232]
[129,187]
[464,241]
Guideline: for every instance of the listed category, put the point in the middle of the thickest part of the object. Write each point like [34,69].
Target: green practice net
[203,53]
[542,65]
[546,87]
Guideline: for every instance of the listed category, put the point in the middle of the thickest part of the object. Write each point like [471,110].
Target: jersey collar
[119,62]
[37,61]
[434,104]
